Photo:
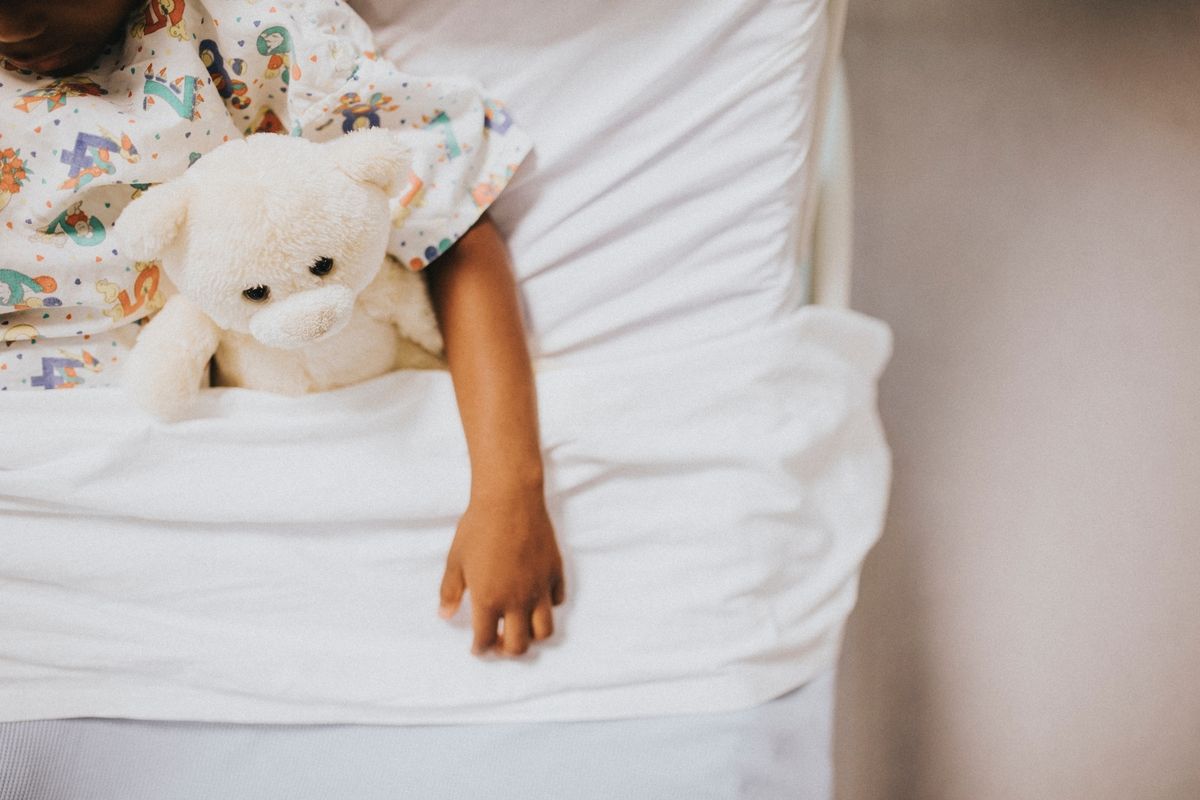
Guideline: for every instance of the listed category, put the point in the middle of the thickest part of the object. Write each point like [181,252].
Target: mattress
[715,465]
[778,749]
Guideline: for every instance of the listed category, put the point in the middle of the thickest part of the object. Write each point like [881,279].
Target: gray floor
[1029,222]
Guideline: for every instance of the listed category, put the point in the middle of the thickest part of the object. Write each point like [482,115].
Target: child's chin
[69,62]
[71,67]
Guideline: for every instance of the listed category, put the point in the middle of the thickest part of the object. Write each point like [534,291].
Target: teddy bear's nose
[303,317]
[320,324]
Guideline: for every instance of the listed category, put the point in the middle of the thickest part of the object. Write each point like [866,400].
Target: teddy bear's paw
[416,322]
[429,338]
[161,390]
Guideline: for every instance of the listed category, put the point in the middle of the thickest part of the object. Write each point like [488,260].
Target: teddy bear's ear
[372,155]
[150,223]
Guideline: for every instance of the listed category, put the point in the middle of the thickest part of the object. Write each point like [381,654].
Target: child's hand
[505,553]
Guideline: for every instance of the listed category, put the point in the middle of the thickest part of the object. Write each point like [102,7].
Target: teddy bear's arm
[164,370]
[400,296]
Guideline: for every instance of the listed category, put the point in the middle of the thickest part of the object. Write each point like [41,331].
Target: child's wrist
[508,483]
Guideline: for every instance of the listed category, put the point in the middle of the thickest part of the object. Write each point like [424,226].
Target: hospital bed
[247,598]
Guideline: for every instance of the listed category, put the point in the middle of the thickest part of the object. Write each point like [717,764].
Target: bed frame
[831,210]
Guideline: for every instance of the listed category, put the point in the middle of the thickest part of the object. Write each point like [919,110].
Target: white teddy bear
[276,246]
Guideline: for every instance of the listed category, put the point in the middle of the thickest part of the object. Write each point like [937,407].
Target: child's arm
[504,551]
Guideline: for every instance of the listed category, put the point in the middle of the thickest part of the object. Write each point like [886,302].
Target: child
[100,99]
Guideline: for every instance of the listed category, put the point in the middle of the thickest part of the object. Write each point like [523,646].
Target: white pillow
[662,202]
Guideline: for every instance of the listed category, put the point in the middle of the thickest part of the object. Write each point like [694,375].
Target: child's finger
[543,621]
[558,590]
[452,590]
[516,632]
[484,621]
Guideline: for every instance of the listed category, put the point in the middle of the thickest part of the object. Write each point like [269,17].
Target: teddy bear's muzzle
[303,318]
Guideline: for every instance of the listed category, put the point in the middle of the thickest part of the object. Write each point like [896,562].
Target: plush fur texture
[239,235]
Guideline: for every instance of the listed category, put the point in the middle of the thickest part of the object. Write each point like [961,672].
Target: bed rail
[833,229]
[831,208]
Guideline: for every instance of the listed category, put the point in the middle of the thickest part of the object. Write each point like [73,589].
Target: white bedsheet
[277,560]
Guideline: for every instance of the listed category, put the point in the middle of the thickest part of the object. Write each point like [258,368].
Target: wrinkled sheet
[277,559]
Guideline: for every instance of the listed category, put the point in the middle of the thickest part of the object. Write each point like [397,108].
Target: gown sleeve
[465,146]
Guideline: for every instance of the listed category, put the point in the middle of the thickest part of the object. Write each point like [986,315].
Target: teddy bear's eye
[322,266]
[256,294]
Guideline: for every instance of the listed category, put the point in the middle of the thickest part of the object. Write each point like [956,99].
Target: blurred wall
[1028,220]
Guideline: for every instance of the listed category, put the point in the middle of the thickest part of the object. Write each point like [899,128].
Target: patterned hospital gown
[190,75]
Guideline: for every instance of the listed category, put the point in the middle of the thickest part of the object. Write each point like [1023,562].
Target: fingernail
[445,612]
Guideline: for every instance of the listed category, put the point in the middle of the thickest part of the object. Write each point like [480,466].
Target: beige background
[1029,223]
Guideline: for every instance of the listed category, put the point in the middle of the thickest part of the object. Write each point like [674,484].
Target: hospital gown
[189,75]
